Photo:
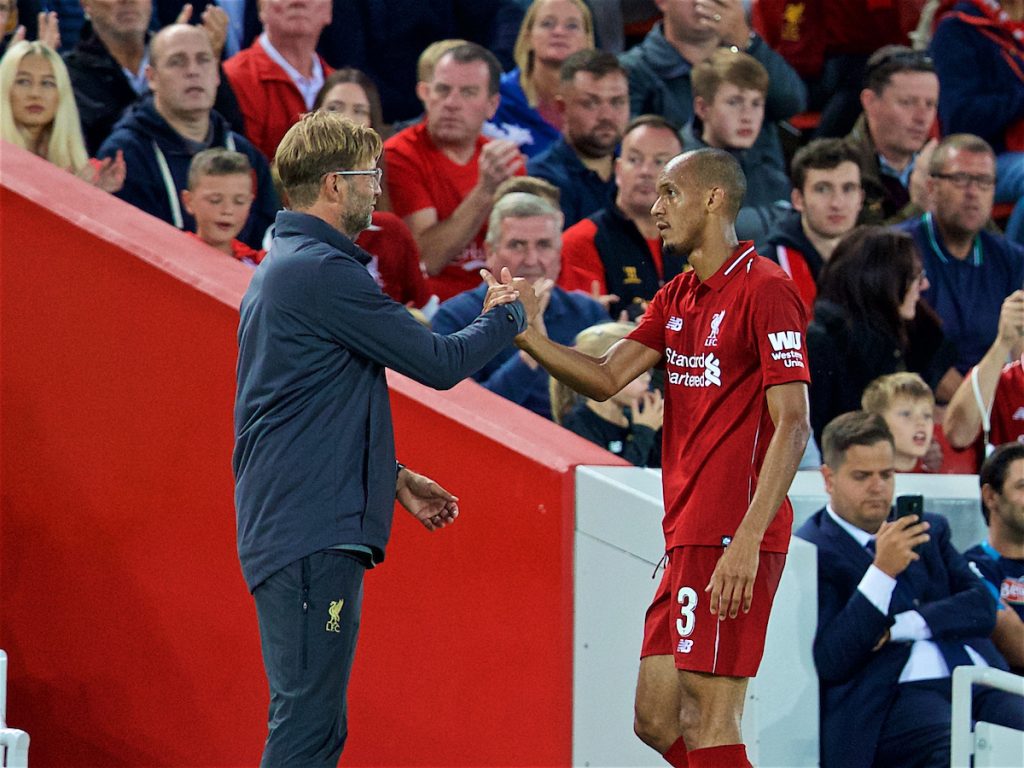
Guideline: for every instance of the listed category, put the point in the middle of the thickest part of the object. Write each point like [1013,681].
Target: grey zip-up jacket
[314,457]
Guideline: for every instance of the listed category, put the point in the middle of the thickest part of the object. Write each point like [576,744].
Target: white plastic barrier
[618,544]
[992,746]
[13,742]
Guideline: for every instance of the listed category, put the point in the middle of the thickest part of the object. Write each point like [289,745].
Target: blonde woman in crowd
[552,30]
[38,113]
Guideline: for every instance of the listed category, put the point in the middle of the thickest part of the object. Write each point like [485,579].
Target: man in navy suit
[898,609]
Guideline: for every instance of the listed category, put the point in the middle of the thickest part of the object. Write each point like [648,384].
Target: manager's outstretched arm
[595,377]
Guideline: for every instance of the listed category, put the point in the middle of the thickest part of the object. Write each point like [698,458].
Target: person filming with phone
[898,609]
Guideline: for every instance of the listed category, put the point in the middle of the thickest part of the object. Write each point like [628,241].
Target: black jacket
[103,93]
[143,135]
[314,457]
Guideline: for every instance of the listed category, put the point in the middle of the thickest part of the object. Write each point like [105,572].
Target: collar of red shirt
[745,250]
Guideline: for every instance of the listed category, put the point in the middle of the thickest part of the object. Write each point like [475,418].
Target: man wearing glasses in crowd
[970,268]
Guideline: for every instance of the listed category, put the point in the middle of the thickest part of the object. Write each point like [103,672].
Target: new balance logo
[785,340]
[685,646]
[1018,415]
[674,323]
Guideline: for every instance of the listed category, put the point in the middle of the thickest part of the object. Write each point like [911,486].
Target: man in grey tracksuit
[314,461]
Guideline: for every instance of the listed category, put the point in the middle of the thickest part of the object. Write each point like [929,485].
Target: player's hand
[497,293]
[895,542]
[499,160]
[732,581]
[427,501]
[649,410]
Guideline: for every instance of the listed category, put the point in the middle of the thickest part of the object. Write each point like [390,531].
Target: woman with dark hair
[869,321]
[352,93]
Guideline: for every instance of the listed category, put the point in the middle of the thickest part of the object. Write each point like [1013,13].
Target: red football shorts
[679,621]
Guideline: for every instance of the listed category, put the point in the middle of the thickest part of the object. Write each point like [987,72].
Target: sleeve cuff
[877,587]
[908,627]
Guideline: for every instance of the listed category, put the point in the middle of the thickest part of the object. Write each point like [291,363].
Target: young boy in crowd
[907,404]
[219,195]
[729,93]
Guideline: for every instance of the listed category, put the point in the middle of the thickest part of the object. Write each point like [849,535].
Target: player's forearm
[443,241]
[962,421]
[581,372]
[780,464]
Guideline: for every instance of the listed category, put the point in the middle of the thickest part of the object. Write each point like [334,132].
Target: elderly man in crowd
[525,235]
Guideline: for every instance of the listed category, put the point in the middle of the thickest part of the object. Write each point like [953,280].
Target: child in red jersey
[219,196]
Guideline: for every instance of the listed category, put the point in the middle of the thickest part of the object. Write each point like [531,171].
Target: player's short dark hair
[467,53]
[993,470]
[593,61]
[718,168]
[217,162]
[820,155]
[891,60]
[848,430]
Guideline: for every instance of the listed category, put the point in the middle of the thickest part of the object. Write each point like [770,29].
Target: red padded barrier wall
[132,638]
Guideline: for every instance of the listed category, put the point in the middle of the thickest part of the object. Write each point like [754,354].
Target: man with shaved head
[729,335]
[163,132]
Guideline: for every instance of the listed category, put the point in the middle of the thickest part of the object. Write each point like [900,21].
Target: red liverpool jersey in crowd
[1008,408]
[724,341]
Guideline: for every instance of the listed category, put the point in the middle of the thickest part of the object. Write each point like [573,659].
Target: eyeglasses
[964,180]
[377,173]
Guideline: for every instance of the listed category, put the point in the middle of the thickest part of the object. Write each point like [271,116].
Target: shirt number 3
[687,599]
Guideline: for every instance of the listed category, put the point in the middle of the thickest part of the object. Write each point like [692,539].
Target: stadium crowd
[882,142]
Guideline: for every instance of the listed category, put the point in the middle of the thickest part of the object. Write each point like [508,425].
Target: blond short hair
[881,392]
[432,54]
[319,143]
[728,65]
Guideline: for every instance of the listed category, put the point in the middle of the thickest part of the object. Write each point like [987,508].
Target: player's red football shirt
[724,342]
[1008,408]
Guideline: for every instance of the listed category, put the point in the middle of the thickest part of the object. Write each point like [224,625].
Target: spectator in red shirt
[442,174]
[277,78]
[219,196]
[990,399]
[729,334]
